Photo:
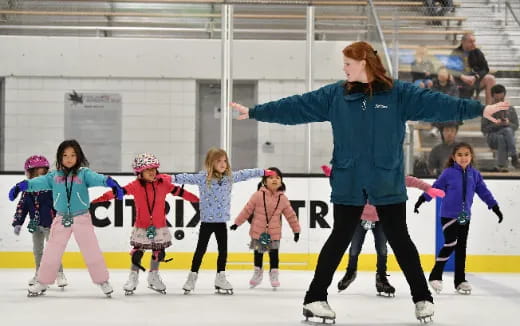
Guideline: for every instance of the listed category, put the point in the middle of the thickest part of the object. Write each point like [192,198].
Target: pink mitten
[434,192]
[269,173]
[326,170]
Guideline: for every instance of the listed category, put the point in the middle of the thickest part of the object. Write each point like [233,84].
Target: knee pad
[137,255]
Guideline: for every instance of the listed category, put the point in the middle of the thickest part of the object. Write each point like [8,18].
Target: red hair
[374,67]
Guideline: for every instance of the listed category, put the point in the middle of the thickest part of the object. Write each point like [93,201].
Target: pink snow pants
[88,245]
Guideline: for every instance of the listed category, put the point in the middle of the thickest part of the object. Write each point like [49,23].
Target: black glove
[159,255]
[296,237]
[137,255]
[418,204]
[497,211]
[233,227]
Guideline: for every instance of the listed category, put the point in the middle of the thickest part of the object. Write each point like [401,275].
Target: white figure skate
[273,276]
[436,285]
[319,309]
[222,286]
[258,275]
[32,281]
[464,288]
[155,283]
[61,280]
[37,289]
[131,284]
[190,282]
[107,289]
[424,312]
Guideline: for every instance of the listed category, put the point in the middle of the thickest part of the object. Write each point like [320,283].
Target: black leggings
[273,259]
[455,239]
[346,219]
[206,229]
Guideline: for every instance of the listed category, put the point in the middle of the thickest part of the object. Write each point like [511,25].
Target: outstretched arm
[185,194]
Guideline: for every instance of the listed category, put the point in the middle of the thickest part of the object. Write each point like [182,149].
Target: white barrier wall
[311,195]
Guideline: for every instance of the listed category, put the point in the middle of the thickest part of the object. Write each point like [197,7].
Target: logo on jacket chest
[380,106]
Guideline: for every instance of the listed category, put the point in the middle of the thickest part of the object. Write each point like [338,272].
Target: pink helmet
[145,161]
[36,161]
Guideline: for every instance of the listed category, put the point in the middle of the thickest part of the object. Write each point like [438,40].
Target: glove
[159,255]
[233,227]
[137,255]
[497,211]
[296,237]
[434,192]
[269,173]
[17,229]
[326,170]
[20,186]
[419,203]
[116,188]
[185,194]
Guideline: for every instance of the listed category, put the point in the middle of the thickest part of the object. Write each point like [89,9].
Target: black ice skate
[383,287]
[346,280]
[319,309]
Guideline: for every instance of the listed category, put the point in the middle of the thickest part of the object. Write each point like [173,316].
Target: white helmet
[145,161]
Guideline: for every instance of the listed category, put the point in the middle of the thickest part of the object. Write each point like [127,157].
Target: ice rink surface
[495,300]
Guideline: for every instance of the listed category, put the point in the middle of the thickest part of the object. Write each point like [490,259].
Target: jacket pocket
[57,198]
[81,200]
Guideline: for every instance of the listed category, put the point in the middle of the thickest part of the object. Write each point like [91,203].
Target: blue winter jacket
[79,199]
[27,205]
[368,133]
[215,198]
[451,181]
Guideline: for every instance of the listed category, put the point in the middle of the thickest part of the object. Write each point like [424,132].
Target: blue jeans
[503,141]
[357,244]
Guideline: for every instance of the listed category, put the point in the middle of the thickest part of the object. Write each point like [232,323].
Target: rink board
[491,247]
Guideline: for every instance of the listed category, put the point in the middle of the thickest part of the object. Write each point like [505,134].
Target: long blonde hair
[212,156]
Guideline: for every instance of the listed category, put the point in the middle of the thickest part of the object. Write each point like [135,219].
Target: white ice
[495,300]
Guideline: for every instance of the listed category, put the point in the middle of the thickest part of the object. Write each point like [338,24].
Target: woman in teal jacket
[368,114]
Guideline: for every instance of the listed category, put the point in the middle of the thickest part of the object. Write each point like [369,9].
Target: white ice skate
[61,280]
[32,281]
[464,288]
[319,309]
[107,289]
[155,283]
[436,285]
[273,276]
[424,312]
[131,284]
[222,286]
[190,282]
[258,275]
[36,289]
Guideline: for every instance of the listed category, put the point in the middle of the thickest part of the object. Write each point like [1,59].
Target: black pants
[206,229]
[455,239]
[273,259]
[346,219]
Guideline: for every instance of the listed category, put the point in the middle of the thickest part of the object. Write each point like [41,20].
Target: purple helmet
[36,161]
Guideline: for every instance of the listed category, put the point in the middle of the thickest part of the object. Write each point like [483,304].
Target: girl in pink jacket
[370,221]
[266,207]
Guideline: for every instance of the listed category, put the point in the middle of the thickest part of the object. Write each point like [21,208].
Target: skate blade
[186,292]
[386,295]
[324,320]
[129,292]
[425,320]
[223,291]
[35,294]
[464,292]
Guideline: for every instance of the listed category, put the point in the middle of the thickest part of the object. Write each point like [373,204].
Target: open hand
[243,110]
[491,109]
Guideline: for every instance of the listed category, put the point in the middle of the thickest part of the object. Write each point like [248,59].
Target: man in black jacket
[501,135]
[475,74]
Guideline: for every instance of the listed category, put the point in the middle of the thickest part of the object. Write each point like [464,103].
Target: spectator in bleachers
[422,68]
[501,135]
[443,83]
[474,74]
[437,8]
[441,153]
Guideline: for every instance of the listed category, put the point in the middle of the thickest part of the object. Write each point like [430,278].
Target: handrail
[510,8]
[382,37]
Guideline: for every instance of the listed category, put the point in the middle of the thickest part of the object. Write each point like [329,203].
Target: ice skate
[190,283]
[61,280]
[346,280]
[32,281]
[424,312]
[36,289]
[273,276]
[383,287]
[107,289]
[131,284]
[436,285]
[464,288]
[155,283]
[258,275]
[222,286]
[319,309]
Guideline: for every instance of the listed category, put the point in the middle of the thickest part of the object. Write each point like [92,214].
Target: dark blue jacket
[28,203]
[368,133]
[451,181]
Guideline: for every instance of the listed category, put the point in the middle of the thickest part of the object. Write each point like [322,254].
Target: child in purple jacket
[460,181]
